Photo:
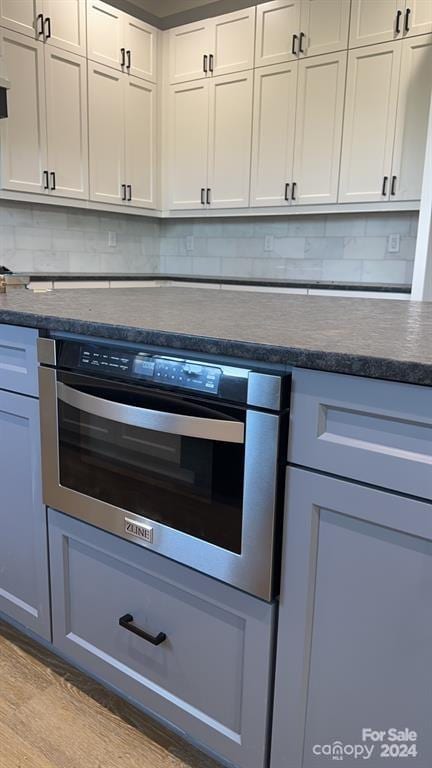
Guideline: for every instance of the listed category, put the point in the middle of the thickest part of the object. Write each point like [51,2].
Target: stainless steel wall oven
[181,456]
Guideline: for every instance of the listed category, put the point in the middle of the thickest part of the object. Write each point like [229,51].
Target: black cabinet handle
[53,180]
[47,28]
[293,190]
[398,21]
[129,59]
[205,60]
[293,47]
[123,57]
[129,192]
[407,15]
[208,196]
[39,20]
[287,191]
[126,622]
[302,37]
[384,186]
[211,62]
[45,180]
[123,191]
[202,195]
[393,185]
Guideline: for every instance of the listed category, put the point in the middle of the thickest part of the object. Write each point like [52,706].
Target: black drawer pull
[45,180]
[53,180]
[129,59]
[40,29]
[126,622]
[407,15]
[384,186]
[47,28]
[123,57]
[287,191]
[129,192]
[398,21]
[123,191]
[208,201]
[293,190]
[211,62]
[205,59]
[393,185]
[302,37]
[202,195]
[293,47]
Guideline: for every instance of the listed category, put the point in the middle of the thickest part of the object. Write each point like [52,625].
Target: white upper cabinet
[140,142]
[66,100]
[369,125]
[318,135]
[65,25]
[412,118]
[219,46]
[324,26]
[188,145]
[277,32]
[107,135]
[418,17]
[376,22]
[20,15]
[273,134]
[230,130]
[23,134]
[140,41]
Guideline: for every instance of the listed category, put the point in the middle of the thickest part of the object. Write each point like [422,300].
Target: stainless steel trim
[264,390]
[46,351]
[221,430]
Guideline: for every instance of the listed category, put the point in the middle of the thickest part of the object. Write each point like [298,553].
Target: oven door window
[193,484]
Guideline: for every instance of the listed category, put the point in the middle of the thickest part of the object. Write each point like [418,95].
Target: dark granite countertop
[367,337]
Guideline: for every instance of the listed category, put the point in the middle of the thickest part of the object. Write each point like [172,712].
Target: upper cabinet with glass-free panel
[324,27]
[277,33]
[418,17]
[20,16]
[140,41]
[61,23]
[382,21]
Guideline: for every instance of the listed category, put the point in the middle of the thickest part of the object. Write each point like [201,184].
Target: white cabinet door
[140,40]
[370,114]
[140,137]
[233,46]
[324,26]
[320,102]
[419,20]
[277,23]
[106,134]
[230,133]
[188,145]
[376,21]
[412,118]
[66,101]
[188,45]
[23,134]
[273,134]
[20,16]
[105,32]
[65,25]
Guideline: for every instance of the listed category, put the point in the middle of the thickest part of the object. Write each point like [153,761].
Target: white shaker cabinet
[20,16]
[369,123]
[105,34]
[277,32]
[140,41]
[375,22]
[189,47]
[324,26]
[419,19]
[140,105]
[273,139]
[106,134]
[188,145]
[65,25]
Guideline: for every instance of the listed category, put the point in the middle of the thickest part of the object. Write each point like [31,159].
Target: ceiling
[172,13]
[163,8]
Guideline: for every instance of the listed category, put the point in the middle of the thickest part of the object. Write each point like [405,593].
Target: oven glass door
[172,459]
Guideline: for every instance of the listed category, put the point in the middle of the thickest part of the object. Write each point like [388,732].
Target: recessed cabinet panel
[105,34]
[324,24]
[320,102]
[230,132]
[234,42]
[67,24]
[375,22]
[187,47]
[20,15]
[188,144]
[273,138]
[24,145]
[420,18]
[277,22]
[370,114]
[412,118]
[140,136]
[141,40]
[107,139]
[66,97]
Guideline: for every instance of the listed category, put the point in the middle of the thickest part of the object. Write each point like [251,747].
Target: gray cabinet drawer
[18,359]
[211,677]
[377,432]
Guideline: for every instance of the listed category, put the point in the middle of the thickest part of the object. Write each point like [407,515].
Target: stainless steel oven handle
[220,430]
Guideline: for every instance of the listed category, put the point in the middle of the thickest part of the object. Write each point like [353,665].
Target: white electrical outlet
[268,243]
[189,243]
[393,243]
[112,239]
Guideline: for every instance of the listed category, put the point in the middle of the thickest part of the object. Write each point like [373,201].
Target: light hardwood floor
[52,716]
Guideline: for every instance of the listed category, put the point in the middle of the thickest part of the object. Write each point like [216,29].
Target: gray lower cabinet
[355,627]
[212,675]
[24,583]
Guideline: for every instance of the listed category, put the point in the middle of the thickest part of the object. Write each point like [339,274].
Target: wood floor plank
[15,752]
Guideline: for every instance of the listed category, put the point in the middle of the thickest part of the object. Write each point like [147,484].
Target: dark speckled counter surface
[380,338]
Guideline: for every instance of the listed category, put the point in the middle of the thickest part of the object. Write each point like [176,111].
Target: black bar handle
[293,47]
[202,195]
[45,180]
[123,57]
[47,28]
[129,192]
[126,622]
[129,59]
[208,201]
[53,180]
[398,21]
[39,19]
[293,190]
[393,185]
[205,60]
[407,15]
[302,37]
[287,191]
[211,62]
[123,191]
[384,186]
